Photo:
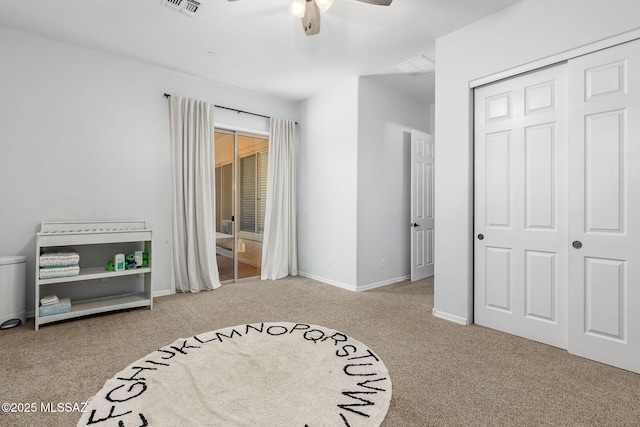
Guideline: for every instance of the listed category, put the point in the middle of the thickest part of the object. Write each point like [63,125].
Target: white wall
[385,120]
[327,185]
[354,184]
[85,136]
[527,31]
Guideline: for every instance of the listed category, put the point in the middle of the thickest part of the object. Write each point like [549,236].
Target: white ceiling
[258,45]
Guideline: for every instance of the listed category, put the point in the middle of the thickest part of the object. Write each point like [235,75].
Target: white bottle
[118,262]
[138,258]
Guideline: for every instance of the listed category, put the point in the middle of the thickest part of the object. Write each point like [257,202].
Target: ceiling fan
[309,11]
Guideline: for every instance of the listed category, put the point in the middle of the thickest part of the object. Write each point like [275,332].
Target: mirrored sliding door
[241,185]
[225,204]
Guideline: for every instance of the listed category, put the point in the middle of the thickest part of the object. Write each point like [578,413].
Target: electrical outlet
[330,262]
[383,263]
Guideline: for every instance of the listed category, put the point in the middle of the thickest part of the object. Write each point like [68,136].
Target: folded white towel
[64,306]
[48,300]
[62,258]
[55,272]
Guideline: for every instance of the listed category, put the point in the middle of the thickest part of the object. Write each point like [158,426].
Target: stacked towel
[62,263]
[54,272]
[62,306]
[63,258]
[48,300]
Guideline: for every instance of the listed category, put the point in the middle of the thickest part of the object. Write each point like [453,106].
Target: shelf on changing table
[99,305]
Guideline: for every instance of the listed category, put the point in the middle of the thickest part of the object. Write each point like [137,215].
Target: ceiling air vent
[187,7]
[417,66]
[173,4]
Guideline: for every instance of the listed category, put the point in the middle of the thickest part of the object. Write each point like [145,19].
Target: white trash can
[12,289]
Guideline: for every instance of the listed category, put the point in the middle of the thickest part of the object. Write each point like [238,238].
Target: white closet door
[604,182]
[520,206]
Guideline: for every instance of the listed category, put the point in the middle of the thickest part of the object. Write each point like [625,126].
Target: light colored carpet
[443,374]
[263,374]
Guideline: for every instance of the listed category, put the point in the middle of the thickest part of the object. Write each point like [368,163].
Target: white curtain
[194,221]
[279,245]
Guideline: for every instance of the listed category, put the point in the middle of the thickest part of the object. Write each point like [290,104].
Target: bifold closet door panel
[520,275]
[604,206]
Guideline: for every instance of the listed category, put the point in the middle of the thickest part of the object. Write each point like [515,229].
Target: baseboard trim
[351,287]
[164,293]
[450,317]
[383,283]
[328,281]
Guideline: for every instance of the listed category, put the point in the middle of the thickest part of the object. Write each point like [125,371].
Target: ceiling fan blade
[311,19]
[376,2]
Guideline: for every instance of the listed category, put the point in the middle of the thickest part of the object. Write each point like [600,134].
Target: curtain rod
[168,95]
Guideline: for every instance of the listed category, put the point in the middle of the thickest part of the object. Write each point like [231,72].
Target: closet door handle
[577,244]
[480,236]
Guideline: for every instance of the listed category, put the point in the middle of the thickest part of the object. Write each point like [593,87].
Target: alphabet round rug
[262,374]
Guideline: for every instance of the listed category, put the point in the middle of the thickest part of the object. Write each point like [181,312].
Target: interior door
[422,159]
[604,176]
[520,271]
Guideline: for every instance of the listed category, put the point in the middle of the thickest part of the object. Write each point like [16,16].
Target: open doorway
[241,188]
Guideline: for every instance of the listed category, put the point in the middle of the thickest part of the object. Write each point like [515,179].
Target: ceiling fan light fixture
[298,7]
[324,4]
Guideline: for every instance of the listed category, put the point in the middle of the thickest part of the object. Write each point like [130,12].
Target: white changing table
[96,242]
